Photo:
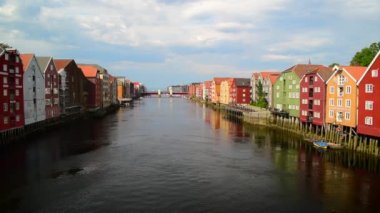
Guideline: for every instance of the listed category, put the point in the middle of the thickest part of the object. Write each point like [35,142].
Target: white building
[34,90]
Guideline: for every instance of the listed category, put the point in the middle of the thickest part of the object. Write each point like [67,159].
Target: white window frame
[369,88]
[339,102]
[348,89]
[331,113]
[375,73]
[368,105]
[332,90]
[368,120]
[347,116]
[348,102]
[331,102]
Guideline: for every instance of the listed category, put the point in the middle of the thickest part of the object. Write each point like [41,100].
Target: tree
[333,65]
[4,45]
[366,55]
[261,100]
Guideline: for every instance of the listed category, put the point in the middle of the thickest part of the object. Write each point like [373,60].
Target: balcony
[311,92]
[311,80]
[309,119]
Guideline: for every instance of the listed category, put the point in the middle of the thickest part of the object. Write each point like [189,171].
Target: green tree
[366,55]
[333,65]
[4,45]
[261,100]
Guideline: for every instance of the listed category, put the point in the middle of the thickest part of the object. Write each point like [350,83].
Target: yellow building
[215,89]
[341,96]
[224,92]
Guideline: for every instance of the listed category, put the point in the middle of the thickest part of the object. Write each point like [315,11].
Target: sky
[169,42]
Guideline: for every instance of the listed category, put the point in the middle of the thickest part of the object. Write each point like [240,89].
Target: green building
[286,89]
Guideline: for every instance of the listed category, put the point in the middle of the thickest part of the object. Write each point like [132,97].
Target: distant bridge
[147,93]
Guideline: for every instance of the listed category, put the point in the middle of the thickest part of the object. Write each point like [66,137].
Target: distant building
[215,89]
[267,79]
[207,90]
[11,89]
[178,88]
[52,108]
[72,93]
[113,88]
[92,73]
[34,90]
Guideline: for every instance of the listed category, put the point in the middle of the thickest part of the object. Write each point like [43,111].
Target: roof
[266,74]
[218,80]
[377,57]
[301,69]
[61,63]
[242,82]
[43,62]
[26,59]
[88,71]
[273,77]
[355,71]
[101,69]
[323,71]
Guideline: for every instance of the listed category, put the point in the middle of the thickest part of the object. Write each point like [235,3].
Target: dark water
[171,155]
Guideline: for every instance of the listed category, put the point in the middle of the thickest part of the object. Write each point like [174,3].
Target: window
[5,107]
[17,92]
[339,102]
[304,101]
[317,102]
[5,68]
[331,113]
[243,94]
[17,59]
[339,116]
[47,91]
[17,70]
[5,80]
[347,116]
[305,80]
[17,105]
[331,101]
[348,102]
[316,79]
[277,95]
[48,101]
[348,89]
[341,80]
[331,89]
[17,118]
[368,120]
[290,86]
[317,115]
[368,105]
[6,120]
[375,73]
[5,92]
[6,56]
[51,66]
[297,107]
[17,81]
[368,88]
[278,87]
[294,81]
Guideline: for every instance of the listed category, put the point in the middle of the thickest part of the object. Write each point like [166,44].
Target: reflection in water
[171,155]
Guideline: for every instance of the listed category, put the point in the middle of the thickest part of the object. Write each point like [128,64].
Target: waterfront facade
[72,94]
[286,89]
[369,102]
[11,90]
[52,109]
[94,91]
[240,91]
[225,87]
[206,90]
[215,89]
[267,79]
[341,96]
[313,96]
[34,90]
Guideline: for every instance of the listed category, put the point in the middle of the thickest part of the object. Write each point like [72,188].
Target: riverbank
[14,135]
[257,116]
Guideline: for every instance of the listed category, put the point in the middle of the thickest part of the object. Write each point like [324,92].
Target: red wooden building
[369,101]
[92,73]
[313,95]
[240,91]
[11,90]
[47,66]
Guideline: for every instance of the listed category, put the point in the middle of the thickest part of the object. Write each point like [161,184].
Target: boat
[321,144]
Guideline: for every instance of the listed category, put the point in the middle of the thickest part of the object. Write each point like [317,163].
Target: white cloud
[149,22]
[7,10]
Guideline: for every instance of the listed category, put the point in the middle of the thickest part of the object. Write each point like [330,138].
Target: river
[172,155]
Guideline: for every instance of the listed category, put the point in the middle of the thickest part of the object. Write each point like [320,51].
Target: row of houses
[341,97]
[35,88]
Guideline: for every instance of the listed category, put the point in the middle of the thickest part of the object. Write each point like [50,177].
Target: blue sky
[166,42]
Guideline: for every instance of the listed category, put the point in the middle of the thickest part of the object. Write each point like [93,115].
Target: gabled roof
[301,69]
[323,72]
[26,59]
[218,80]
[62,63]
[355,72]
[89,71]
[101,69]
[377,57]
[273,77]
[43,62]
[242,82]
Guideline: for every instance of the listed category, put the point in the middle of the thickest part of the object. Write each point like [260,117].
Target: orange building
[215,89]
[341,96]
